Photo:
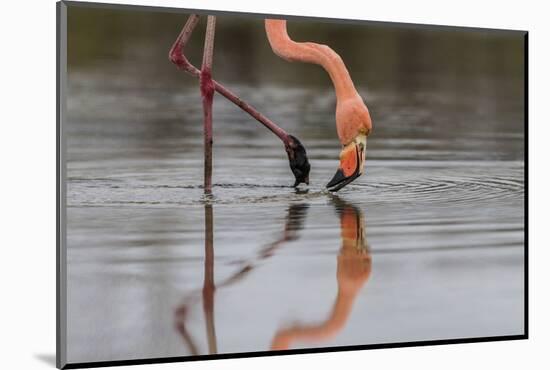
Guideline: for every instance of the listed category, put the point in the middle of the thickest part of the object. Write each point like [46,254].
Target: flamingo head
[352,163]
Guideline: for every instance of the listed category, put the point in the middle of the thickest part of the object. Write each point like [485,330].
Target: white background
[27,151]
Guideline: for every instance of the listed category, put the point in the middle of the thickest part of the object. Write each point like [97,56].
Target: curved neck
[310,52]
[336,321]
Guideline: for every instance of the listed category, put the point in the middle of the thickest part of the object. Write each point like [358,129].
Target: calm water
[428,244]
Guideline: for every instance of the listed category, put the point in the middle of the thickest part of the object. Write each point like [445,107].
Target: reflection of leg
[208,290]
[207,93]
[181,314]
[208,286]
[296,214]
[295,217]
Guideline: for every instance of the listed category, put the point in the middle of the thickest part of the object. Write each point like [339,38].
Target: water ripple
[389,185]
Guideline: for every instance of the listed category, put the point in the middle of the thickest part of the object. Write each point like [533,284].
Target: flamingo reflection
[353,271]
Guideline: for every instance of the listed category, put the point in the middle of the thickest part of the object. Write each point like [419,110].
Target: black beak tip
[336,179]
[339,180]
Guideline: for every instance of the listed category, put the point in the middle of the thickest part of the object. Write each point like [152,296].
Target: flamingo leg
[177,56]
[296,152]
[207,93]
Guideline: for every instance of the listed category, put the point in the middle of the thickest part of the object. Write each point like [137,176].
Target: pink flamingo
[353,122]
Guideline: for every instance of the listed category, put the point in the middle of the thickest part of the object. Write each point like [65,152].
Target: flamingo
[353,122]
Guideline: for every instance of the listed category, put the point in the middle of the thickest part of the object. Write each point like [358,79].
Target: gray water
[427,245]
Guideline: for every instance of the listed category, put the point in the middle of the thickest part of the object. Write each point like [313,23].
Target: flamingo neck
[310,52]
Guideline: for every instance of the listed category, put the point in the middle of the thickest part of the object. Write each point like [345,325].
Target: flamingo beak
[352,163]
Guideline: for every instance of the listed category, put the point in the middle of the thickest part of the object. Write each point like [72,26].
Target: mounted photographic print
[235,185]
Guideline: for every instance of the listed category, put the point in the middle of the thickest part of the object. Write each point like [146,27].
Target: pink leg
[296,152]
[207,93]
[177,57]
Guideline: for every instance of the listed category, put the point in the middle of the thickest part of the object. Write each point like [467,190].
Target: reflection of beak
[352,161]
